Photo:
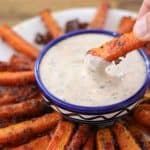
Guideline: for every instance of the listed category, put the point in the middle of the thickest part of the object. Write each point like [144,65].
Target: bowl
[103,115]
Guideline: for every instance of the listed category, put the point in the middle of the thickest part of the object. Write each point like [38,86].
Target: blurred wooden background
[14,11]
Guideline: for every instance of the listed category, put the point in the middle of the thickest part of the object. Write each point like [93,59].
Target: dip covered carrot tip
[16,78]
[17,42]
[100,16]
[51,24]
[118,47]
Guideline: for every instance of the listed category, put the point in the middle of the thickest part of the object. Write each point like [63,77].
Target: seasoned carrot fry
[104,140]
[89,145]
[9,95]
[17,42]
[100,16]
[142,114]
[124,138]
[118,47]
[16,78]
[25,130]
[34,106]
[51,24]
[79,138]
[126,25]
[61,136]
[39,143]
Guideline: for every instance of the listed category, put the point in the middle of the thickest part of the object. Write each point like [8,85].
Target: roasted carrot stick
[104,139]
[25,130]
[17,42]
[16,78]
[34,106]
[39,143]
[126,25]
[51,24]
[9,95]
[142,114]
[89,145]
[100,16]
[118,47]
[61,136]
[124,138]
[79,138]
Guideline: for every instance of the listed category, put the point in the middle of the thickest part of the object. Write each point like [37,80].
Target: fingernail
[140,28]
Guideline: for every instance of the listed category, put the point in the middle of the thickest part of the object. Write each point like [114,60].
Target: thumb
[142,28]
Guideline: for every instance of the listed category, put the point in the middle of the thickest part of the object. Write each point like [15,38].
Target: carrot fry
[126,25]
[138,134]
[79,138]
[9,95]
[142,114]
[89,145]
[100,16]
[51,24]
[16,78]
[118,47]
[39,143]
[124,138]
[61,136]
[17,42]
[25,130]
[34,106]
[104,139]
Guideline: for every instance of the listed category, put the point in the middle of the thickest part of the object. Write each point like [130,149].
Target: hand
[142,25]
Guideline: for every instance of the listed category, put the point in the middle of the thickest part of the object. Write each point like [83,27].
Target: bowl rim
[88,109]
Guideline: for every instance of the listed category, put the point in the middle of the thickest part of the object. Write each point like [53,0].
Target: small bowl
[103,115]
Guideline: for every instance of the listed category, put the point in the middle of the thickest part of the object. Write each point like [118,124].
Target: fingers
[142,28]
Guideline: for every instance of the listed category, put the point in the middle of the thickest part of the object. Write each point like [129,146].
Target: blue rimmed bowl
[100,114]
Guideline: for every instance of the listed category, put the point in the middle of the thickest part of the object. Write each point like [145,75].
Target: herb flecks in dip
[65,74]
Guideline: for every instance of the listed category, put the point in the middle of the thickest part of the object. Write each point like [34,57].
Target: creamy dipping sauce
[64,73]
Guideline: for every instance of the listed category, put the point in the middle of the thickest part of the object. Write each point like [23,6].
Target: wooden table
[14,11]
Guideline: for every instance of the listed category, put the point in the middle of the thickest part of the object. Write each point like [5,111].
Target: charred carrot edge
[124,138]
[89,145]
[100,16]
[142,114]
[104,139]
[80,137]
[118,47]
[25,130]
[51,24]
[61,136]
[17,42]
[22,109]
[16,78]
[39,143]
[138,134]
[126,24]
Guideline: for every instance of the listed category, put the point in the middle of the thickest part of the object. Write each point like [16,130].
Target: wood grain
[15,11]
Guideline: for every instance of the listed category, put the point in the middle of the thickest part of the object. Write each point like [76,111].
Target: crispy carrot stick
[9,95]
[51,24]
[39,143]
[118,47]
[104,140]
[16,78]
[142,114]
[126,25]
[124,138]
[61,136]
[89,145]
[100,16]
[79,138]
[34,106]
[25,130]
[17,42]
